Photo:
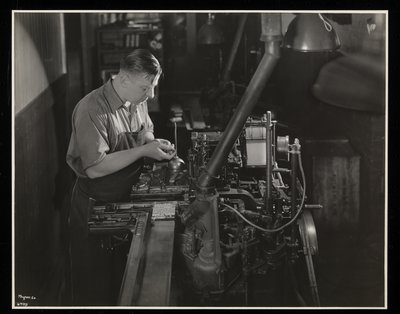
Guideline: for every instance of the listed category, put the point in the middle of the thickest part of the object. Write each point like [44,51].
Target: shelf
[129,30]
[113,43]
[111,50]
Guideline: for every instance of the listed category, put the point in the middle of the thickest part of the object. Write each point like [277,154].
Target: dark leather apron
[114,187]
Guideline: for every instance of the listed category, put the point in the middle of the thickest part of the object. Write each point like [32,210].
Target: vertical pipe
[228,67]
[271,32]
[294,154]
[268,163]
[176,137]
[293,182]
[273,143]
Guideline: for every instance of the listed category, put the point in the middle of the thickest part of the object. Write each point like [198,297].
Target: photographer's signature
[24,300]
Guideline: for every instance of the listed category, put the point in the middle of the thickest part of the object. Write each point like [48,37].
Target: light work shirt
[99,122]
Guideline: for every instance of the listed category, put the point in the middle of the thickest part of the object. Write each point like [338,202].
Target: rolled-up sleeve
[91,137]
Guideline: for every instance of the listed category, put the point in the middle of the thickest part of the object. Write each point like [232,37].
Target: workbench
[156,280]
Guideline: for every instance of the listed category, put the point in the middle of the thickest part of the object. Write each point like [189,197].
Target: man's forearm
[114,162]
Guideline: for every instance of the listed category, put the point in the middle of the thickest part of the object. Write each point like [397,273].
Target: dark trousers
[111,188]
[81,205]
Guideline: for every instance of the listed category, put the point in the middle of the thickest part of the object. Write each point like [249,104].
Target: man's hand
[120,159]
[166,142]
[158,150]
[163,141]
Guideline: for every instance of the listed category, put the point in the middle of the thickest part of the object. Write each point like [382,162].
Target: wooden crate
[335,183]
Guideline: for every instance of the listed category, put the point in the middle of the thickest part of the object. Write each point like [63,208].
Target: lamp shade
[310,33]
[210,34]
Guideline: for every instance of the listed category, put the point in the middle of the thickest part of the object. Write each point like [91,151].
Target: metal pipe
[293,182]
[293,200]
[268,163]
[274,143]
[235,125]
[207,264]
[271,32]
[228,67]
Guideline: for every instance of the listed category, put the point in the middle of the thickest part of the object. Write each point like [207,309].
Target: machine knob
[176,164]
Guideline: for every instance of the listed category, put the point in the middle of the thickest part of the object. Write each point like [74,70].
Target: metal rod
[293,182]
[273,142]
[235,125]
[268,163]
[293,157]
[176,138]
[228,67]
[281,170]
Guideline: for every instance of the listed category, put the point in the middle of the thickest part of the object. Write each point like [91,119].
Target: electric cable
[327,25]
[288,223]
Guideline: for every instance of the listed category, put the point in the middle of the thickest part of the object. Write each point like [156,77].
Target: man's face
[140,87]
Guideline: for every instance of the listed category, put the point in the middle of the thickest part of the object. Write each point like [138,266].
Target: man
[111,133]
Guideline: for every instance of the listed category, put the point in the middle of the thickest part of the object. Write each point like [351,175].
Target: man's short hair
[141,61]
